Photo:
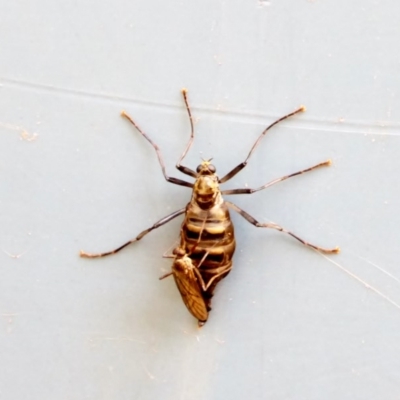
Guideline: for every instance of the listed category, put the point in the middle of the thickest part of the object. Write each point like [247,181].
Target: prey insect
[207,213]
[189,281]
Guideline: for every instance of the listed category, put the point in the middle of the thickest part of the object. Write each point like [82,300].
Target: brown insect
[189,281]
[208,213]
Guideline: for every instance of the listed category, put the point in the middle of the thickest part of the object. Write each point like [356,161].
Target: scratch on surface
[27,137]
[333,125]
[379,268]
[195,335]
[24,134]
[68,91]
[14,255]
[9,316]
[366,284]
[124,339]
[264,3]
[10,320]
[152,377]
[94,340]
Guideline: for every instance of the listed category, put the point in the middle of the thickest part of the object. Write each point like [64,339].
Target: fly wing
[191,294]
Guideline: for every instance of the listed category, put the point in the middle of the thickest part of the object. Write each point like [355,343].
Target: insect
[188,279]
[208,213]
[189,282]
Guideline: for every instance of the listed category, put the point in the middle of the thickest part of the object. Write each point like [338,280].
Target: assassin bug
[208,207]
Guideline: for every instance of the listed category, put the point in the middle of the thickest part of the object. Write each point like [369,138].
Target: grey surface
[287,323]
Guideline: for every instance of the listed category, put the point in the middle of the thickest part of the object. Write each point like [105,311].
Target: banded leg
[165,275]
[249,191]
[198,274]
[202,284]
[159,223]
[239,167]
[176,181]
[253,221]
[174,256]
[210,282]
[208,289]
[180,167]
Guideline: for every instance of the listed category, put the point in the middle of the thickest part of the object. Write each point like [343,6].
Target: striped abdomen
[209,231]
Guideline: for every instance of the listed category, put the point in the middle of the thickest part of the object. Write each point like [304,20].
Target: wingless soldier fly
[207,207]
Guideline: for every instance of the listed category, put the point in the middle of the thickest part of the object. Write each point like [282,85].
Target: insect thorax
[206,192]
[183,265]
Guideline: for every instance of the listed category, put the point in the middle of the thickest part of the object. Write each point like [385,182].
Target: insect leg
[176,181]
[182,168]
[239,167]
[138,237]
[209,283]
[165,275]
[253,221]
[249,191]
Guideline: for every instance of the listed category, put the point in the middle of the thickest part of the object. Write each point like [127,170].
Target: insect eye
[211,168]
[198,169]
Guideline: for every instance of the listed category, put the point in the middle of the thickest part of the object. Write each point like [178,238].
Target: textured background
[287,323]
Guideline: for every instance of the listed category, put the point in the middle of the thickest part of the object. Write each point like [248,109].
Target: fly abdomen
[209,236]
[206,236]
